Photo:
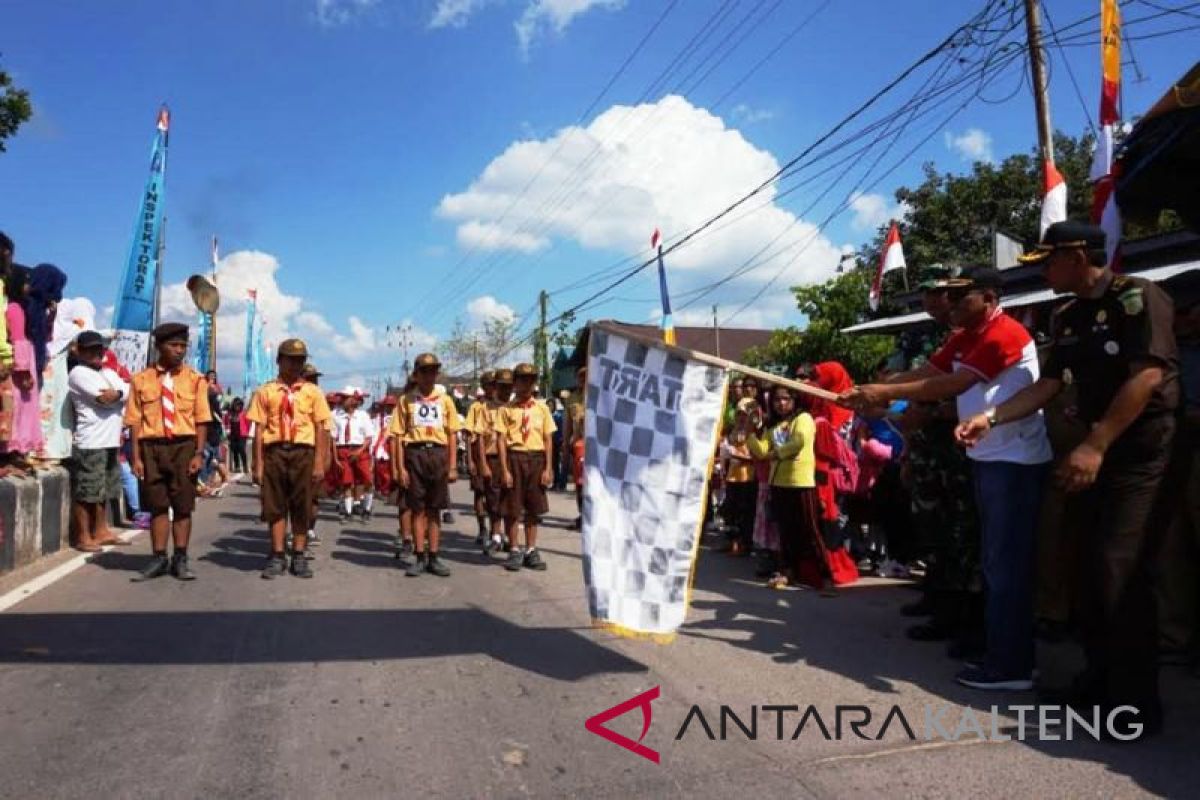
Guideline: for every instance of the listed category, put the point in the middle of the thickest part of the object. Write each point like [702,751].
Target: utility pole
[716,331]
[475,358]
[402,338]
[541,345]
[1037,64]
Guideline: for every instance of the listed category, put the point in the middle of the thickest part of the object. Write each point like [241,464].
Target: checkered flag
[651,432]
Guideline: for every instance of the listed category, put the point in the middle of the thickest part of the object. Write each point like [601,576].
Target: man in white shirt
[98,396]
[354,434]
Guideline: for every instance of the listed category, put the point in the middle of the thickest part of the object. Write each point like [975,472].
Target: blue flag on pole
[134,313]
[668,324]
[200,358]
[249,367]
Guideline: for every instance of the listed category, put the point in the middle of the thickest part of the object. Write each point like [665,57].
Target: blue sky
[368,162]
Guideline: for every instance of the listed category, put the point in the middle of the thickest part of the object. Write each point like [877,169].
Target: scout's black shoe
[533,560]
[436,566]
[180,568]
[276,566]
[415,567]
[515,559]
[300,566]
[158,566]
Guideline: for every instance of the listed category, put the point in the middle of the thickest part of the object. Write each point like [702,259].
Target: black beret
[170,332]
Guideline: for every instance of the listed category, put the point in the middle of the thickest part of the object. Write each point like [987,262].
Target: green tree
[484,346]
[831,306]
[15,108]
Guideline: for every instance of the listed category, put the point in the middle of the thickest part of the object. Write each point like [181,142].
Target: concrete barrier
[35,516]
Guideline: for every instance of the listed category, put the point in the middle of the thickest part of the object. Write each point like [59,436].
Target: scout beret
[524,370]
[293,348]
[1069,234]
[426,360]
[504,376]
[170,332]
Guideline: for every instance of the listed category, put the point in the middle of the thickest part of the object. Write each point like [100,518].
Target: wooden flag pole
[616,330]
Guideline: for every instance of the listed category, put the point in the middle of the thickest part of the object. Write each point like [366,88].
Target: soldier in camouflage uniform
[938,474]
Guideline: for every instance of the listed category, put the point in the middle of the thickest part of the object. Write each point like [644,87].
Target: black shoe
[180,569]
[415,567]
[436,566]
[300,566]
[447,517]
[921,608]
[515,560]
[533,560]
[276,566]
[158,566]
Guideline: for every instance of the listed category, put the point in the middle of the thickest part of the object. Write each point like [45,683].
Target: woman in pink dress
[26,434]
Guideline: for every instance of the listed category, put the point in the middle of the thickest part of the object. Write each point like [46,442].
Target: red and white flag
[253,293]
[164,119]
[655,238]
[1105,212]
[891,258]
[1054,200]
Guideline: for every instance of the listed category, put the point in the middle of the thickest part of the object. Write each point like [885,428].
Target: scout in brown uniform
[478,427]
[573,430]
[290,455]
[166,415]
[425,425]
[526,431]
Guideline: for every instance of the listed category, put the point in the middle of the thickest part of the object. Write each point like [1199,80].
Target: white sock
[368,501]
[348,503]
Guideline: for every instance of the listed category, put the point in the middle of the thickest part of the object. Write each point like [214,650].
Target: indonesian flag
[1054,201]
[164,119]
[1104,202]
[891,258]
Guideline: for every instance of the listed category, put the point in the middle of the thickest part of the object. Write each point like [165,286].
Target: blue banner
[202,356]
[135,304]
[249,367]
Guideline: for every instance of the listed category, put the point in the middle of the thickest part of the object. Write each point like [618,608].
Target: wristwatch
[990,416]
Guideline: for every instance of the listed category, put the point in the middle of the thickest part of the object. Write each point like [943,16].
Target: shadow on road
[272,637]
[860,635]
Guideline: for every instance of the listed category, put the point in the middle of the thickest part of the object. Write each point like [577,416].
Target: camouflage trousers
[945,519]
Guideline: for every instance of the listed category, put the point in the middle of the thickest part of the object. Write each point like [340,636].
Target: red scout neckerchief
[287,419]
[167,380]
[528,404]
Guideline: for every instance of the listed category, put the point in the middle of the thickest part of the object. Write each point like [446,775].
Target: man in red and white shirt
[990,358]
[353,436]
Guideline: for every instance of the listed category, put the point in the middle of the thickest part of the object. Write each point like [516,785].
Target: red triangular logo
[596,724]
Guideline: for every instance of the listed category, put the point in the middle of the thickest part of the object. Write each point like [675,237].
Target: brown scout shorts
[427,467]
[287,484]
[527,494]
[168,483]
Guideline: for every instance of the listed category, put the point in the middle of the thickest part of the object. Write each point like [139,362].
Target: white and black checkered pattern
[652,427]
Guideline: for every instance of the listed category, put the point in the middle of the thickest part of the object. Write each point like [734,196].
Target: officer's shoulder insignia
[1131,300]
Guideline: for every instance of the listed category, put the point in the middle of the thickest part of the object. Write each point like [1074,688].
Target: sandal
[88,547]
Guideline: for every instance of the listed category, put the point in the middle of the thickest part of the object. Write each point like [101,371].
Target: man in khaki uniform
[166,415]
[290,454]
[425,425]
[525,431]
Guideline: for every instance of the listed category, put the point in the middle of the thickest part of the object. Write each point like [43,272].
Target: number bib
[428,414]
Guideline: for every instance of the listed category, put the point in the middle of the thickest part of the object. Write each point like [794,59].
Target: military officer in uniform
[1114,342]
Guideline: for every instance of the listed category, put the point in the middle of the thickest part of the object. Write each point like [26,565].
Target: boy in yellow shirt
[424,426]
[525,432]
[290,455]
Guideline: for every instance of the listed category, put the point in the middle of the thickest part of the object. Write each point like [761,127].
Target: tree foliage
[15,108]
[484,346]
[831,306]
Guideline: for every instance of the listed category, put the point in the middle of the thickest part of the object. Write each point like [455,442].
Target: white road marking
[32,587]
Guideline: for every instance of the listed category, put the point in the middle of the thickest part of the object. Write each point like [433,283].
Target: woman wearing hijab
[833,454]
[789,449]
[26,435]
[44,292]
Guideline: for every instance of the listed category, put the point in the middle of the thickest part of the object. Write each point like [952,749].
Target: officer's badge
[1111,347]
[1131,301]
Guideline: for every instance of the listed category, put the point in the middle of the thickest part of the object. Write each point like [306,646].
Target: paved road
[362,682]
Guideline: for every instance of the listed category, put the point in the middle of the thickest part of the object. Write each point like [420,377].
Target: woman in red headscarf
[836,462]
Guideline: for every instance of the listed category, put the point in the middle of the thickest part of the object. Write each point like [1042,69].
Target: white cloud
[873,210]
[668,164]
[486,308]
[332,13]
[748,116]
[493,236]
[454,13]
[553,16]
[973,144]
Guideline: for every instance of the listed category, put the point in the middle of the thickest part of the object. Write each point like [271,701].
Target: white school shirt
[97,426]
[352,430]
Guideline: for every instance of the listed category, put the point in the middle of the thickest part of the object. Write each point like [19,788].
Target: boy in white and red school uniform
[381,417]
[353,436]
